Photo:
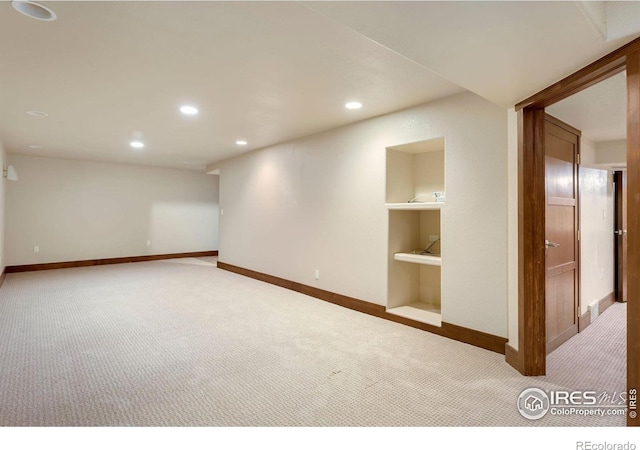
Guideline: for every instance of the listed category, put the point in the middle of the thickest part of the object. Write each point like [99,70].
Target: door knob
[548,244]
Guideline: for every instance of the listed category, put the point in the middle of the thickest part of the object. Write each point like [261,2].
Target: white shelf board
[429,260]
[415,205]
[421,312]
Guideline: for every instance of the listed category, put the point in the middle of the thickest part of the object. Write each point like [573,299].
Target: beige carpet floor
[182,343]
[594,358]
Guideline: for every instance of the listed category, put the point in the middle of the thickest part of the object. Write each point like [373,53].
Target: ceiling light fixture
[353,105]
[33,10]
[136,144]
[35,146]
[189,110]
[241,142]
[37,113]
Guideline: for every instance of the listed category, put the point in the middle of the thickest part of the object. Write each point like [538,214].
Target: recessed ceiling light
[37,113]
[33,10]
[136,144]
[353,105]
[35,146]
[241,142]
[189,110]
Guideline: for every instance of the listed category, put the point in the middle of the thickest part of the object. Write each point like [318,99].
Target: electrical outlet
[36,249]
[317,274]
[222,212]
[148,243]
[433,237]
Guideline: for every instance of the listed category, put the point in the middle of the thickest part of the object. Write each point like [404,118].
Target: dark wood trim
[565,126]
[563,337]
[458,333]
[633,228]
[531,229]
[100,262]
[512,356]
[605,302]
[603,68]
[2,276]
[469,336]
[585,320]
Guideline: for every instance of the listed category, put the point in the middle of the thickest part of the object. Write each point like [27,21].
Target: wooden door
[620,234]
[561,232]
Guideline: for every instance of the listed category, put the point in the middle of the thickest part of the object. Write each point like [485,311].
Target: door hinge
[578,159]
[578,311]
[578,234]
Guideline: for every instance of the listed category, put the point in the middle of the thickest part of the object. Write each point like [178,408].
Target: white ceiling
[600,111]
[504,51]
[266,72]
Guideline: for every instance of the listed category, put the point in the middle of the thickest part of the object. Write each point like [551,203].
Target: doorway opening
[579,354]
[531,356]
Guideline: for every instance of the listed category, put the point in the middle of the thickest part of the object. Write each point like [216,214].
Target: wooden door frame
[530,358]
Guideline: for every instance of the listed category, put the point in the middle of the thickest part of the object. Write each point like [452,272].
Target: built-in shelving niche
[414,172]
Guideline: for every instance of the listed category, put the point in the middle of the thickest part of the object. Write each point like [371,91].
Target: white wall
[612,153]
[318,203]
[76,210]
[597,218]
[596,229]
[3,161]
[588,152]
[512,226]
